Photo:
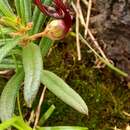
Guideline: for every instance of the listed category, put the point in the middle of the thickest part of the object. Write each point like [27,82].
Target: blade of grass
[8,5]
[5,41]
[28,11]
[46,115]
[7,48]
[19,106]
[9,66]
[9,22]
[10,61]
[24,10]
[4,31]
[17,5]
[15,62]
[63,128]
[5,9]
[45,45]
[20,123]
[16,122]
[39,18]
[7,123]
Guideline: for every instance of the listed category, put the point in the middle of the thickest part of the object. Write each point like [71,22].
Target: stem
[39,107]
[27,39]
[36,36]
[19,108]
[15,62]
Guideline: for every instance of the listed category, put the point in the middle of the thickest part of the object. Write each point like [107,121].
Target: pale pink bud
[56,30]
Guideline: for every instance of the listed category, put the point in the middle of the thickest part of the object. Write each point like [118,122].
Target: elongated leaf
[7,48]
[21,125]
[39,18]
[32,62]
[57,86]
[4,41]
[5,9]
[7,4]
[17,5]
[23,8]
[22,11]
[45,45]
[9,66]
[8,123]
[5,31]
[10,61]
[9,22]
[17,122]
[8,96]
[46,115]
[28,11]
[63,128]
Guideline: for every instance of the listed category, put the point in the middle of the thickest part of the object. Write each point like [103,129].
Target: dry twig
[81,17]
[77,32]
[39,107]
[85,2]
[87,18]
[3,72]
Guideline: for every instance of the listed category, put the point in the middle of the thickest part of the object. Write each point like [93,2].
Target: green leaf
[16,122]
[45,45]
[7,48]
[17,5]
[5,40]
[63,128]
[63,91]
[23,8]
[8,5]
[8,96]
[39,18]
[27,12]
[11,61]
[8,123]
[9,22]
[21,125]
[32,62]
[5,31]
[9,66]
[6,9]
[46,115]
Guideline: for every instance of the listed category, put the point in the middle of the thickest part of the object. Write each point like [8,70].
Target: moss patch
[105,94]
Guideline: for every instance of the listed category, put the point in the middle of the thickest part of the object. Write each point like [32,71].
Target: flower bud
[56,30]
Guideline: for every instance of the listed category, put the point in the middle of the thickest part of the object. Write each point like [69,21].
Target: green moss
[103,92]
